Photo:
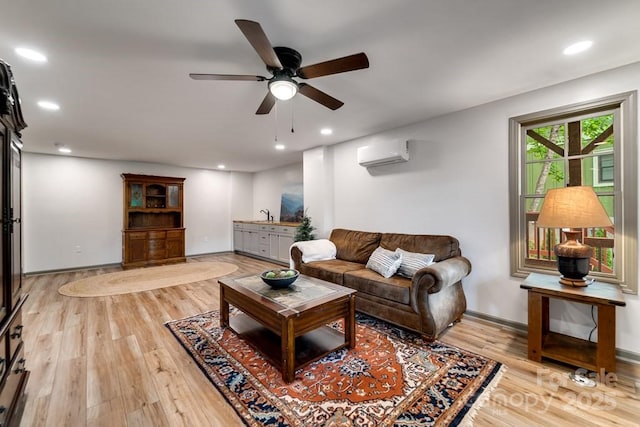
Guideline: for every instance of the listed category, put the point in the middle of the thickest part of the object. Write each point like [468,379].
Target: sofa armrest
[295,258]
[440,275]
[437,294]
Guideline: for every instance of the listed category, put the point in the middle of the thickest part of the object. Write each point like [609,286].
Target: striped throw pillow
[412,262]
[384,262]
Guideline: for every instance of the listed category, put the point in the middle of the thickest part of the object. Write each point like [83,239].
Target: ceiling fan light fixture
[283,88]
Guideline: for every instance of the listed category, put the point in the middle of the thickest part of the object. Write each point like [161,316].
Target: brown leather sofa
[427,303]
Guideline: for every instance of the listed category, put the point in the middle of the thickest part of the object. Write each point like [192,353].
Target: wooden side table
[595,356]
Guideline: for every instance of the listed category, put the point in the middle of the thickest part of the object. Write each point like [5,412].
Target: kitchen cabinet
[268,240]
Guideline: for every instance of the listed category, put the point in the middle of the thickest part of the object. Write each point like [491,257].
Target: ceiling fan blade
[319,96]
[354,62]
[267,104]
[196,76]
[258,39]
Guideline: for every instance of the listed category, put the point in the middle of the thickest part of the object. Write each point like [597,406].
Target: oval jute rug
[145,279]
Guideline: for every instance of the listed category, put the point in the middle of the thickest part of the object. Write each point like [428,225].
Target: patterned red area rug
[392,378]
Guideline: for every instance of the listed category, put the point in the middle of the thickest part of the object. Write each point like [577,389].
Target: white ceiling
[119,69]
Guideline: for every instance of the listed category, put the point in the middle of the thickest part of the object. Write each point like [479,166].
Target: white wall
[72,209]
[318,189]
[267,190]
[241,197]
[457,183]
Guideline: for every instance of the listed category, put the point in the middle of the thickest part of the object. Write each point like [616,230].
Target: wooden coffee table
[288,326]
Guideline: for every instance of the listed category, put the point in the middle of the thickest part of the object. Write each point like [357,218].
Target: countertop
[286,224]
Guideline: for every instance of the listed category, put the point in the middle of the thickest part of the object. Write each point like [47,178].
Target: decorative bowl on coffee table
[279,278]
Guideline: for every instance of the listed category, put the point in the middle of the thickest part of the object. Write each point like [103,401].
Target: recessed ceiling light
[48,105]
[62,148]
[578,47]
[221,166]
[31,54]
[326,131]
[279,147]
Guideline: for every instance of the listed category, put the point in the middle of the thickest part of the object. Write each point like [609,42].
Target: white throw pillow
[384,262]
[412,262]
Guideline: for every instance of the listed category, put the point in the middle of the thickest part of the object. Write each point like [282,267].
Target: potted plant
[305,230]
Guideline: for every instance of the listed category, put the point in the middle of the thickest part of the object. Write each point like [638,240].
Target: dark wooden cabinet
[13,373]
[153,223]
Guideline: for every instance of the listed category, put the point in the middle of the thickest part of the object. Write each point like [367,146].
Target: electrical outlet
[78,249]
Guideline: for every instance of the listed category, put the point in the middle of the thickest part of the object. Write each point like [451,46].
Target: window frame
[626,165]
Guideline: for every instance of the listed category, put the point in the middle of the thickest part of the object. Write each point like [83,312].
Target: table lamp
[576,208]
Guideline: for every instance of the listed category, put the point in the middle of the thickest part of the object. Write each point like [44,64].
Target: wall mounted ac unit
[383,153]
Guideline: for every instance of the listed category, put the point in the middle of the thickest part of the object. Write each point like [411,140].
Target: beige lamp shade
[572,207]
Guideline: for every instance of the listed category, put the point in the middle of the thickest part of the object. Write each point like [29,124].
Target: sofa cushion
[395,288]
[442,247]
[330,270]
[412,262]
[384,262]
[355,246]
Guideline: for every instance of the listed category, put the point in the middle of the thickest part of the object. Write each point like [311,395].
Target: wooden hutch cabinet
[13,374]
[153,223]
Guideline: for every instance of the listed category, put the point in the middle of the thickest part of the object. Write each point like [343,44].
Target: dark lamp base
[573,260]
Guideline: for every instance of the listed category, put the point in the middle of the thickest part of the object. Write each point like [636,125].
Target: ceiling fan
[284,64]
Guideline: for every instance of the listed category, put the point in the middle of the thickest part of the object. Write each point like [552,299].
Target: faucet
[266,212]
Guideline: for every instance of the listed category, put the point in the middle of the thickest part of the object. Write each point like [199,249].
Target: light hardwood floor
[110,361]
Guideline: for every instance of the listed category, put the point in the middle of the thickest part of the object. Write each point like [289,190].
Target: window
[591,144]
[603,170]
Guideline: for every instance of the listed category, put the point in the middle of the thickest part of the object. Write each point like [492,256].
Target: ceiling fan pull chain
[292,102]
[275,130]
